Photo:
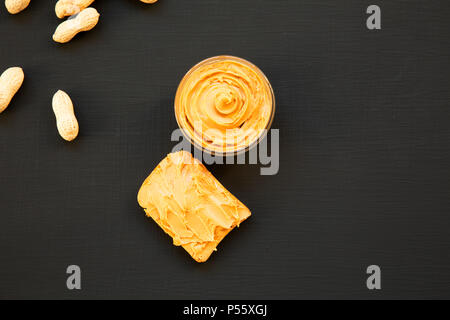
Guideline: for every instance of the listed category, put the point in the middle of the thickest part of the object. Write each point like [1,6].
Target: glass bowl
[213,92]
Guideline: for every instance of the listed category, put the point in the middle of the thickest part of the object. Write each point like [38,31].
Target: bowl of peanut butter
[225,105]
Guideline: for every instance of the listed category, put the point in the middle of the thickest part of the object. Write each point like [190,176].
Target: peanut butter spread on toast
[190,205]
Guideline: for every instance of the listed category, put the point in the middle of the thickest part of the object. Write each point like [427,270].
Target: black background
[364,177]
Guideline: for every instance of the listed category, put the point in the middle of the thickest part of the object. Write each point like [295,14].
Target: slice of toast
[190,205]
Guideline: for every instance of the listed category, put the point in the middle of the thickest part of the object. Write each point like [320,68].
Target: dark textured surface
[365,161]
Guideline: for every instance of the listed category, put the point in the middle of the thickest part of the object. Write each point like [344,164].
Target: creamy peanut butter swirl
[224,104]
[190,205]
